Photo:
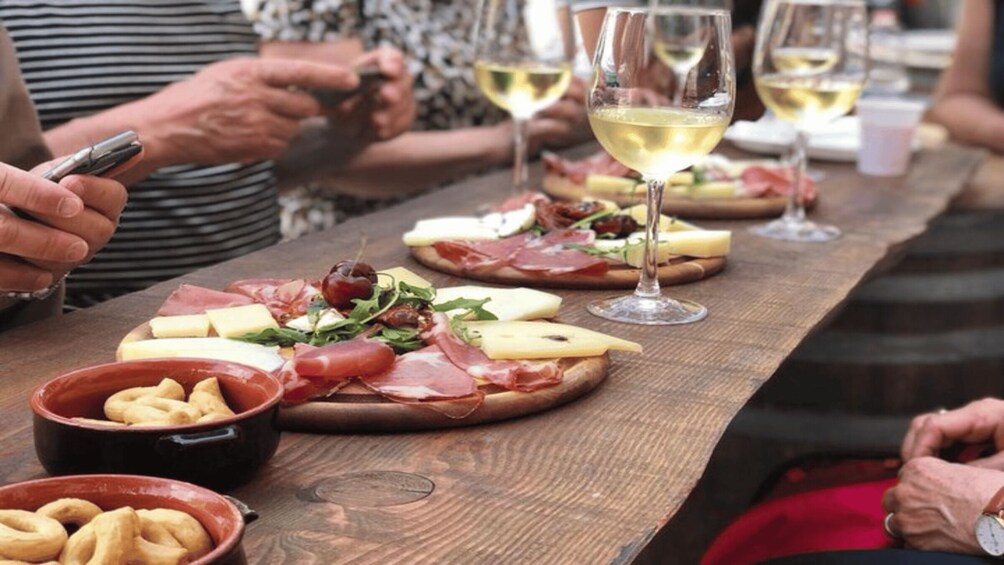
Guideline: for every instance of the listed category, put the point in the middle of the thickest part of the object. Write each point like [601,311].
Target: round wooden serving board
[356,409]
[683,270]
[684,208]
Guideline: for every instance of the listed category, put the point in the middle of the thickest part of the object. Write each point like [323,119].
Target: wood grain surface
[684,208]
[590,482]
[679,271]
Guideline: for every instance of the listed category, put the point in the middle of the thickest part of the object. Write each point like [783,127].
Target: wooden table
[591,482]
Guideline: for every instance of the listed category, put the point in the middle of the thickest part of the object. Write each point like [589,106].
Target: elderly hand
[936,504]
[976,422]
[238,110]
[385,112]
[72,220]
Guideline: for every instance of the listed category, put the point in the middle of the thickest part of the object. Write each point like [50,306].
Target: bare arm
[963,101]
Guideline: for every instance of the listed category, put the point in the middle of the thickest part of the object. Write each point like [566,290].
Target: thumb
[545,128]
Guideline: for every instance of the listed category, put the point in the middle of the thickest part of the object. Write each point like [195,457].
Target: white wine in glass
[657,121]
[523,63]
[809,66]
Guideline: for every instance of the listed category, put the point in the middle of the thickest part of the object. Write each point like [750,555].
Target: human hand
[563,123]
[976,422]
[385,112]
[71,221]
[239,110]
[935,505]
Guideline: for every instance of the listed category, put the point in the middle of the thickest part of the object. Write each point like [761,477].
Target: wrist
[499,150]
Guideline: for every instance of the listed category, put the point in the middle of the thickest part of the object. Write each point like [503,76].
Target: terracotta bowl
[222,519]
[220,454]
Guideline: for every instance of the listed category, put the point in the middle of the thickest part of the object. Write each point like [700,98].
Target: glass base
[656,311]
[804,231]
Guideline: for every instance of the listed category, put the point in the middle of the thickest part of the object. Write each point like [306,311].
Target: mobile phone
[370,77]
[98,158]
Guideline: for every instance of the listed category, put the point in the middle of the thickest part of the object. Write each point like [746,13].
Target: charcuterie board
[678,271]
[716,209]
[356,409]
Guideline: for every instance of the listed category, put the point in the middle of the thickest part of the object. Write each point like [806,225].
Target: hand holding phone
[370,78]
[99,158]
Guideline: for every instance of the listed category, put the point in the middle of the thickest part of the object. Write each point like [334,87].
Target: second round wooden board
[684,208]
[682,271]
[356,409]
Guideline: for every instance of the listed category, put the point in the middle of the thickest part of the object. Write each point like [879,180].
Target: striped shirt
[80,57]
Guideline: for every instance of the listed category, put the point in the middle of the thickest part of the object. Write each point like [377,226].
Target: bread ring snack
[26,536]
[108,423]
[186,529]
[149,553]
[106,540]
[206,396]
[155,533]
[116,404]
[152,410]
[70,511]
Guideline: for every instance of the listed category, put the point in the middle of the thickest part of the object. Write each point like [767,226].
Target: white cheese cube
[241,320]
[193,325]
[400,274]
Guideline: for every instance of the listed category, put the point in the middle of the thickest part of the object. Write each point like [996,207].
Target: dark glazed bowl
[220,454]
[222,520]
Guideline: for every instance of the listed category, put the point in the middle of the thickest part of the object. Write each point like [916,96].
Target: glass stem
[679,88]
[520,141]
[648,285]
[794,212]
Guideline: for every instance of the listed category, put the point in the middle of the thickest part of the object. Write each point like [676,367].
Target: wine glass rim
[701,10]
[822,2]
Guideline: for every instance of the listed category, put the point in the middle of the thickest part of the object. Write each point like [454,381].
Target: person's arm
[964,103]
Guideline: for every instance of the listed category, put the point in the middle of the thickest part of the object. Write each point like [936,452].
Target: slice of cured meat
[191,299]
[285,298]
[599,163]
[523,376]
[774,181]
[347,359]
[550,254]
[480,254]
[517,202]
[429,379]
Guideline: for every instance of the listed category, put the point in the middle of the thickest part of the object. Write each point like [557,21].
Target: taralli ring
[26,536]
[887,526]
[70,511]
[183,527]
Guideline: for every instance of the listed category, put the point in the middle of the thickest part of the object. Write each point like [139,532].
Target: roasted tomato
[620,225]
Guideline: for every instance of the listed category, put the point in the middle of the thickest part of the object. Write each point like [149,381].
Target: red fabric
[835,518]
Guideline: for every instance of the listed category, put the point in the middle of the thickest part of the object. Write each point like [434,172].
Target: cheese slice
[639,213]
[703,243]
[713,190]
[607,184]
[449,231]
[260,356]
[685,178]
[632,250]
[400,274]
[192,325]
[241,320]
[511,222]
[543,340]
[506,303]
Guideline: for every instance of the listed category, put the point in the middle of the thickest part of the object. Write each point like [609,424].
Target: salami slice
[191,299]
[523,376]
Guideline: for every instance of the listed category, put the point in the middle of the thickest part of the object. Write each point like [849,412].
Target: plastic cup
[887,129]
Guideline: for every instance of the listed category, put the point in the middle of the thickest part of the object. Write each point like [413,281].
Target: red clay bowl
[221,519]
[220,454]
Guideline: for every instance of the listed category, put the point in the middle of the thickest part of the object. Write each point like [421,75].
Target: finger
[995,462]
[94,227]
[389,61]
[890,502]
[906,450]
[31,193]
[106,196]
[33,240]
[290,103]
[972,424]
[286,72]
[114,172]
[576,91]
[22,277]
[545,128]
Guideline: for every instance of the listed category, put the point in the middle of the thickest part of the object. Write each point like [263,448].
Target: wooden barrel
[928,334]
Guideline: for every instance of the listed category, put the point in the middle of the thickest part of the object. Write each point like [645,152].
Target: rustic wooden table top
[590,482]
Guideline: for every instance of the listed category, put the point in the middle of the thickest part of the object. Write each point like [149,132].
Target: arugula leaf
[401,339]
[699,177]
[475,307]
[537,230]
[459,329]
[315,308]
[584,222]
[426,294]
[587,249]
[283,337]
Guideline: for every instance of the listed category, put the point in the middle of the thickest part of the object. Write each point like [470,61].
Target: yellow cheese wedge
[606,184]
[260,356]
[193,325]
[681,178]
[400,274]
[506,303]
[543,340]
[639,212]
[703,243]
[713,190]
[240,320]
[632,250]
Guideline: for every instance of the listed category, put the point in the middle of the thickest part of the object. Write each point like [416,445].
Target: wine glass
[682,49]
[809,65]
[524,50]
[636,116]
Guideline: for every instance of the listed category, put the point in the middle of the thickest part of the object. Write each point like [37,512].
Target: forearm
[416,161]
[971,119]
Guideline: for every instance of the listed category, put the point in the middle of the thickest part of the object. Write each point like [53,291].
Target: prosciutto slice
[523,376]
[427,378]
[599,163]
[477,254]
[517,202]
[549,254]
[774,181]
[316,372]
[284,298]
[191,299]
